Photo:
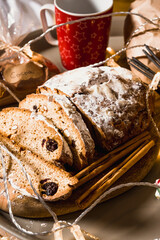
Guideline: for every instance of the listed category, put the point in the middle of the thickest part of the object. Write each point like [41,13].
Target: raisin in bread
[111,99]
[50,181]
[68,120]
[35,133]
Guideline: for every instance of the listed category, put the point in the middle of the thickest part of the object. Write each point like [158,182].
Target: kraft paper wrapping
[147,34]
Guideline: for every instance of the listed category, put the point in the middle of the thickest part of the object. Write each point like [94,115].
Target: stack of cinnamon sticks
[111,167]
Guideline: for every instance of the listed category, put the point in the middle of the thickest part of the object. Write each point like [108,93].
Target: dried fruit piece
[44,180]
[35,108]
[50,188]
[43,142]
[51,145]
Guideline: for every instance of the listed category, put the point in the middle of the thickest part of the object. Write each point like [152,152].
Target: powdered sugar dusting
[114,104]
[111,97]
[77,80]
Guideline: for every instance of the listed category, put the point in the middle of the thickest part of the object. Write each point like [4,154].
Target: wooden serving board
[31,208]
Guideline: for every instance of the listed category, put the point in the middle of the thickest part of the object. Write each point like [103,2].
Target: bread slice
[50,181]
[65,117]
[35,133]
[111,99]
[31,208]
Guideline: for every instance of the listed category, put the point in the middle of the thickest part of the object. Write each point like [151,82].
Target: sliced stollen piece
[68,120]
[111,99]
[50,181]
[36,133]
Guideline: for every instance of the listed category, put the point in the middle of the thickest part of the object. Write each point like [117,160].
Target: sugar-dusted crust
[111,99]
[68,120]
[35,133]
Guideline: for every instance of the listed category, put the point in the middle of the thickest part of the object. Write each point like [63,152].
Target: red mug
[83,43]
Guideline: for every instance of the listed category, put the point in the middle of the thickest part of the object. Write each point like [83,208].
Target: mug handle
[47,7]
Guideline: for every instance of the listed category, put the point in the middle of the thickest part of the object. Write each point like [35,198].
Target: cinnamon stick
[86,170]
[96,169]
[105,182]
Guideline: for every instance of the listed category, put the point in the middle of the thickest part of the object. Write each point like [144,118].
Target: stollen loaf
[111,99]
[73,119]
